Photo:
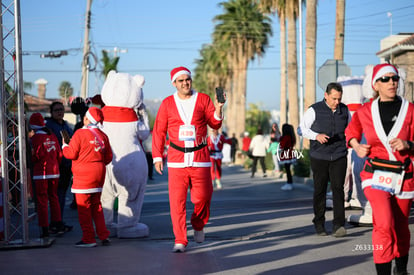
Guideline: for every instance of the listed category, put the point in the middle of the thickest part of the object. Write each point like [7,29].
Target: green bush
[302,166]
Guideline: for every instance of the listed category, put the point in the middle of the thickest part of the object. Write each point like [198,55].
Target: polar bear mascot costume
[125,123]
[358,197]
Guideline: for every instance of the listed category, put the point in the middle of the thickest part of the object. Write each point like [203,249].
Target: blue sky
[159,35]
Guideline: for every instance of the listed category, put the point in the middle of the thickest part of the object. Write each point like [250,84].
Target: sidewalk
[255,228]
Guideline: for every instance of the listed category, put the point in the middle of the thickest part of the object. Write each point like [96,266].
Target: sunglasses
[385,79]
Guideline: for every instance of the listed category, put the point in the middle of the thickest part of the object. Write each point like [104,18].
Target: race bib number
[187,133]
[387,181]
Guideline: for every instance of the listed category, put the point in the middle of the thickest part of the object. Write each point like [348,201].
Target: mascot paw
[138,230]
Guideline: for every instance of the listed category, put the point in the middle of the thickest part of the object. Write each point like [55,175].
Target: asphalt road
[255,228]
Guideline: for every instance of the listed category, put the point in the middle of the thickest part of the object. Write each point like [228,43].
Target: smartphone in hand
[65,136]
[220,95]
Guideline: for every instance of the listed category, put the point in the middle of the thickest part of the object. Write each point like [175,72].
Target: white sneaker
[198,236]
[178,247]
[287,187]
[218,184]
[360,220]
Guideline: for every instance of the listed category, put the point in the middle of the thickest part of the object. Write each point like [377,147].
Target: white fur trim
[383,71]
[177,74]
[90,117]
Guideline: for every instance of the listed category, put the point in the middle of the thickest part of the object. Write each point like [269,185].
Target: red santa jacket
[367,120]
[90,152]
[46,155]
[215,145]
[170,117]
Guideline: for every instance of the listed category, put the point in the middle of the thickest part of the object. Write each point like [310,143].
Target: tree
[65,90]
[279,7]
[310,55]
[109,63]
[292,9]
[246,29]
[257,118]
[339,30]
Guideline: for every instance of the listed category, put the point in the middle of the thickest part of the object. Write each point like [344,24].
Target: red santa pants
[391,234]
[46,191]
[199,181]
[215,168]
[89,212]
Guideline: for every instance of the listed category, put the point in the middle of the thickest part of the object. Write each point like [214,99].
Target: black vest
[332,124]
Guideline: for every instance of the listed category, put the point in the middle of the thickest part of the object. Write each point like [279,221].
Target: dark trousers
[63,185]
[262,163]
[288,173]
[150,164]
[323,172]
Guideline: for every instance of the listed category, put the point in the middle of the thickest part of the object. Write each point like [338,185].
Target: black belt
[369,169]
[187,150]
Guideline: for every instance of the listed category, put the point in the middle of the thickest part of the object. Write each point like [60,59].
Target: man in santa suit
[215,143]
[184,116]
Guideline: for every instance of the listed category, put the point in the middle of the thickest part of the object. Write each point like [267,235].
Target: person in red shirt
[46,157]
[246,144]
[215,144]
[90,152]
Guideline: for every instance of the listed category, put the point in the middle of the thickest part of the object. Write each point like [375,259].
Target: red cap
[380,70]
[176,72]
[94,115]
[37,121]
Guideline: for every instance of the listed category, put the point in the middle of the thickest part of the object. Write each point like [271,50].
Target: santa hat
[36,121]
[380,70]
[94,115]
[176,72]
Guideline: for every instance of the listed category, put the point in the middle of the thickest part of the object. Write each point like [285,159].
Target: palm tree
[310,55]
[310,52]
[279,7]
[340,30]
[292,9]
[246,30]
[109,63]
[65,90]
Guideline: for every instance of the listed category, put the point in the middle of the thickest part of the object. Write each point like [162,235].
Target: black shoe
[320,231]
[106,242]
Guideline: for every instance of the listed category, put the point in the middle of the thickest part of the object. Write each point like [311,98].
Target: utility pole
[86,50]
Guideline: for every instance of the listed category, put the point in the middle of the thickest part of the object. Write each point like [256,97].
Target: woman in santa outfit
[387,177]
[215,143]
[46,157]
[90,151]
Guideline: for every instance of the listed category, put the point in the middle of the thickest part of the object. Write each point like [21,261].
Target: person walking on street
[274,147]
[258,147]
[57,124]
[46,156]
[184,116]
[287,154]
[324,125]
[387,177]
[215,143]
[234,147]
[91,152]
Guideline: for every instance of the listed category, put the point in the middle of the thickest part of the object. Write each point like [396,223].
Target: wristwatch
[410,145]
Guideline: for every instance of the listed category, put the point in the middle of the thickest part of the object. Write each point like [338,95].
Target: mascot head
[352,91]
[123,90]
